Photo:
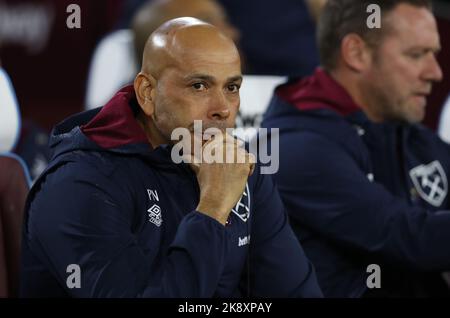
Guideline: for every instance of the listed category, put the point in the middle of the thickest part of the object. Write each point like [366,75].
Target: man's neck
[351,85]
[153,136]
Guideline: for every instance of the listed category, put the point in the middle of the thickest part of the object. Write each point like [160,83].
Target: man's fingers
[252,160]
[223,148]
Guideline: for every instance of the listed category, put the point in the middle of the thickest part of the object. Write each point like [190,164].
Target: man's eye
[416,55]
[199,86]
[233,88]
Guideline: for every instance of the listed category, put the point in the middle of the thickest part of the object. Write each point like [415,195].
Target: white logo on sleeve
[242,208]
[430,182]
[244,240]
[153,195]
[154,213]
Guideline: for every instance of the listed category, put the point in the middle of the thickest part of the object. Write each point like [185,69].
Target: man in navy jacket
[114,208]
[365,185]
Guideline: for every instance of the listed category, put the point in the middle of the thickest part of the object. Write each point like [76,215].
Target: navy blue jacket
[360,193]
[125,214]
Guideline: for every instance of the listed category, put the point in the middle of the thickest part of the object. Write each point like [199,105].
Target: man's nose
[432,71]
[220,108]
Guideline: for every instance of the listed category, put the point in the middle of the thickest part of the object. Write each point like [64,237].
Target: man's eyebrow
[210,78]
[435,49]
[204,77]
[237,78]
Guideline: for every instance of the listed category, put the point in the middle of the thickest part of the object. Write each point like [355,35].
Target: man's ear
[144,86]
[355,52]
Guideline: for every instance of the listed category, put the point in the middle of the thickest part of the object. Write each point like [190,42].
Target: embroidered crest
[242,208]
[430,182]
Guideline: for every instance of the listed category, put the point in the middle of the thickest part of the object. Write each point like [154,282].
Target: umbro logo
[154,213]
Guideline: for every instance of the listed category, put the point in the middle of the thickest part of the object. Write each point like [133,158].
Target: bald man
[115,216]
[106,77]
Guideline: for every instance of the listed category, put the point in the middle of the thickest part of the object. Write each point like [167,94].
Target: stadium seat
[9,114]
[14,186]
[444,122]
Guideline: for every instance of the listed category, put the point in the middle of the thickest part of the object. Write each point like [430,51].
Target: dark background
[50,75]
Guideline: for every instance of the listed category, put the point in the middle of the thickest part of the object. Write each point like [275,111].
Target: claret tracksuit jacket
[360,193]
[122,216]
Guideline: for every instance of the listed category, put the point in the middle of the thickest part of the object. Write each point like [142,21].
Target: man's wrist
[213,210]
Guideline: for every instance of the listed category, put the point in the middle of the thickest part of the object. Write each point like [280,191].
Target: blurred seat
[9,114]
[33,147]
[25,138]
[113,65]
[256,92]
[444,122]
[14,186]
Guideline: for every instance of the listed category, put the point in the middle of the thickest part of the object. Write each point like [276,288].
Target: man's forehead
[411,26]
[206,57]
[200,37]
[220,56]
[207,71]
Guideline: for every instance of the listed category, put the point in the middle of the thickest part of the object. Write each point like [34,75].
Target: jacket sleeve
[278,266]
[81,221]
[324,189]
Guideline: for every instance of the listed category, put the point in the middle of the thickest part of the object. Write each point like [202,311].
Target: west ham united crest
[242,208]
[430,182]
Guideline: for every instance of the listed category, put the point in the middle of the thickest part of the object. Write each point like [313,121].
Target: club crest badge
[430,182]
[242,208]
